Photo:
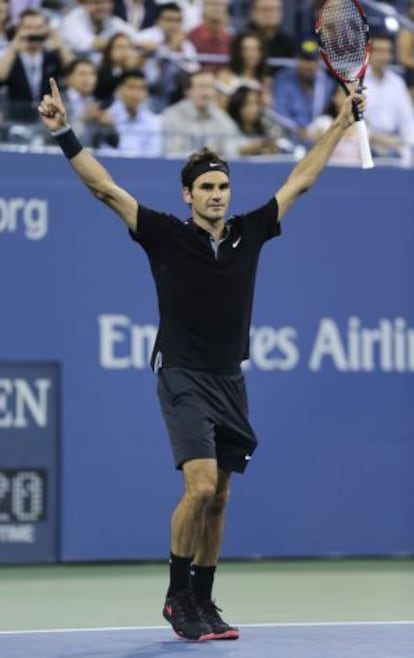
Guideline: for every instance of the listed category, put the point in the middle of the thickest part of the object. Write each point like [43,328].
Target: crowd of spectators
[154,78]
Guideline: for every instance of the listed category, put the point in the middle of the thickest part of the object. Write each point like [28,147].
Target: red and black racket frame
[359,79]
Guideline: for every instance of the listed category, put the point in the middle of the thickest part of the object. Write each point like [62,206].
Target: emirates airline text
[387,346]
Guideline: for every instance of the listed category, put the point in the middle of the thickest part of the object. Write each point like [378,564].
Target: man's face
[202,90]
[216,10]
[4,10]
[170,22]
[35,30]
[267,13]
[133,92]
[83,79]
[307,69]
[99,10]
[209,196]
[381,54]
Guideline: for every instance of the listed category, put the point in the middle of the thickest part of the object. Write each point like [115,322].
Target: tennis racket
[342,30]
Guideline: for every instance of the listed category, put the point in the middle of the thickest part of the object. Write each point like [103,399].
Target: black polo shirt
[205,294]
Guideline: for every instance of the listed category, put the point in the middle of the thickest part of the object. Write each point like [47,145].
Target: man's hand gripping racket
[343,33]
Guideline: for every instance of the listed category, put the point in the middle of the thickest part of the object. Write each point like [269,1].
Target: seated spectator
[35,54]
[118,56]
[405,51]
[247,67]
[198,121]
[266,18]
[87,27]
[84,112]
[390,114]
[255,135]
[300,94]
[212,36]
[347,151]
[169,55]
[138,13]
[139,130]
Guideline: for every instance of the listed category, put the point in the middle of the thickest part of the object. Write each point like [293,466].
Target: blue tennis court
[313,640]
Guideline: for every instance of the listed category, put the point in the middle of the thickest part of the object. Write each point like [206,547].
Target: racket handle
[364,147]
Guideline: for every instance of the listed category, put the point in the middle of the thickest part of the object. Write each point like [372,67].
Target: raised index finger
[55,90]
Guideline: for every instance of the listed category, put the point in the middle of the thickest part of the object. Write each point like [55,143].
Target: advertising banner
[330,378]
[29,478]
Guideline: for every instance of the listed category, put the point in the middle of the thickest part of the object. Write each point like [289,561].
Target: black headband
[202,168]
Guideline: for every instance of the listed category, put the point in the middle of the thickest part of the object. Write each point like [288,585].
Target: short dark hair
[167,6]
[381,35]
[74,63]
[189,77]
[131,73]
[31,12]
[195,159]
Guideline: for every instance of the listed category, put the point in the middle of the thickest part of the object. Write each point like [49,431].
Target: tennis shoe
[182,612]
[221,630]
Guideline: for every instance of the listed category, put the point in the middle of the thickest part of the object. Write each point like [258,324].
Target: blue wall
[331,378]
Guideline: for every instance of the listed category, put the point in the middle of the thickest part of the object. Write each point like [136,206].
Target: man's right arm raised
[89,170]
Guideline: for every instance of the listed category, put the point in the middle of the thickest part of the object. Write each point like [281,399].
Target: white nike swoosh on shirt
[234,244]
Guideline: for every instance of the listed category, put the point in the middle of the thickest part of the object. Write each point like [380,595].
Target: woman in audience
[347,151]
[246,109]
[118,56]
[247,67]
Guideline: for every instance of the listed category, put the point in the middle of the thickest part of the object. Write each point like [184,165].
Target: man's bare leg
[201,478]
[180,609]
[206,558]
[208,549]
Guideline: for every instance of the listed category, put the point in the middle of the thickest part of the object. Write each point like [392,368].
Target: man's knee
[201,494]
[201,482]
[218,502]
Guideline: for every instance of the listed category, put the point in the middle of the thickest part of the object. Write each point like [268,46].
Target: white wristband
[61,131]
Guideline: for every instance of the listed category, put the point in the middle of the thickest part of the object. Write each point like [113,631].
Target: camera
[36,38]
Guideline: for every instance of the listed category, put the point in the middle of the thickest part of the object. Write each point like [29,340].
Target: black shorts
[206,416]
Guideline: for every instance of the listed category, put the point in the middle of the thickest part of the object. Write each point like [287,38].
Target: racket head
[342,30]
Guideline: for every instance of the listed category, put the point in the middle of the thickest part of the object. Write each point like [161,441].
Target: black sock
[202,579]
[179,574]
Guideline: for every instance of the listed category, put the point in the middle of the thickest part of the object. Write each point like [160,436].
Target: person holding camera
[34,55]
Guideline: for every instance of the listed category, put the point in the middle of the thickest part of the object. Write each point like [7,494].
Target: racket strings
[343,37]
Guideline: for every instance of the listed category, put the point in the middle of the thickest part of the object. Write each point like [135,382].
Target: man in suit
[35,54]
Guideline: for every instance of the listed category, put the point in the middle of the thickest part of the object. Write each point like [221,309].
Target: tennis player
[204,271]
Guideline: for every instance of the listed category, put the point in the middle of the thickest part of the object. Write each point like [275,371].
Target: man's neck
[378,73]
[215,229]
[213,26]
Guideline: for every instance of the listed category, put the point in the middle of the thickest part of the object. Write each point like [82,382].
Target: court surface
[286,609]
[395,640]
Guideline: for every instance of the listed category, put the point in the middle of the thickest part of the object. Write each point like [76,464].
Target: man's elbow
[304,189]
[102,190]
